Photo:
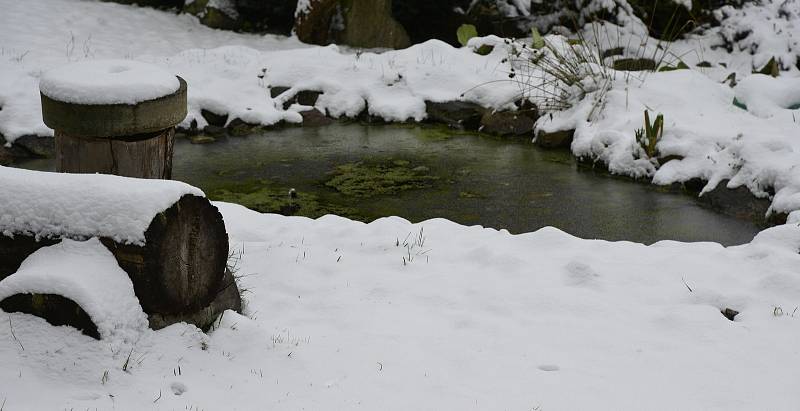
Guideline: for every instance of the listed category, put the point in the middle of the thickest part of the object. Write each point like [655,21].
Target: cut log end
[182,264]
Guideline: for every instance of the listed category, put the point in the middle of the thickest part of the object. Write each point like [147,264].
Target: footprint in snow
[178,388]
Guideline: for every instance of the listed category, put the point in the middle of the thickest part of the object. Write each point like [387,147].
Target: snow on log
[168,238]
[76,273]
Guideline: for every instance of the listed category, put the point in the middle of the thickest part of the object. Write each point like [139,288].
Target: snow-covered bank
[480,319]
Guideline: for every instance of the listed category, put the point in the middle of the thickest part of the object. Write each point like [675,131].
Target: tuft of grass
[649,136]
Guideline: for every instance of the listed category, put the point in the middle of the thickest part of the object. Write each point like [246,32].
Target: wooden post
[132,140]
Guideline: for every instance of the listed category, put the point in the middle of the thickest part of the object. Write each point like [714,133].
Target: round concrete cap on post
[112,98]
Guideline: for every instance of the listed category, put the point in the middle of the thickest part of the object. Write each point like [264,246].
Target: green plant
[466,32]
[649,136]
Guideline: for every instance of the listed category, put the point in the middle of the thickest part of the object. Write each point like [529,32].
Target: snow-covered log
[168,238]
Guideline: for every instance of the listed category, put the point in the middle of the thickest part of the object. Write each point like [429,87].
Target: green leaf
[538,40]
[466,32]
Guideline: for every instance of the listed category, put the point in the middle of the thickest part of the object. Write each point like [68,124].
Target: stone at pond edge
[201,139]
[315,118]
[638,64]
[504,123]
[461,115]
[214,119]
[37,146]
[214,131]
[302,97]
[738,202]
[238,127]
[555,139]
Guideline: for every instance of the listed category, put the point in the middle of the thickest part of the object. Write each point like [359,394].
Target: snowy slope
[480,319]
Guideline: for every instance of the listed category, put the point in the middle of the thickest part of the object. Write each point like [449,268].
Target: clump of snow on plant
[108,82]
[88,274]
[54,205]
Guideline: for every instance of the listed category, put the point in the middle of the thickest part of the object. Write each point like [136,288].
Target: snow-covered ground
[473,319]
[393,315]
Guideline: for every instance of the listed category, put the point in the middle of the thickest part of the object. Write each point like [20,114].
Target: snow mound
[88,274]
[108,82]
[766,96]
[53,205]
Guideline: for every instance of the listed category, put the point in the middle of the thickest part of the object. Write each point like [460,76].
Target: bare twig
[687,285]
[14,336]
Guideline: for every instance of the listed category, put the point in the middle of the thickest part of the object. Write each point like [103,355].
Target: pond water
[417,172]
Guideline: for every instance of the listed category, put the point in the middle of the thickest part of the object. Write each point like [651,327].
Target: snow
[88,274]
[108,82]
[55,205]
[480,319]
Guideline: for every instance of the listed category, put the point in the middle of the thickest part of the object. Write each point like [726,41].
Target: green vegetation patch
[266,197]
[367,180]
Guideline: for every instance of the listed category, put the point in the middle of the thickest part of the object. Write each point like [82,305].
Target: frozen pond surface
[366,172]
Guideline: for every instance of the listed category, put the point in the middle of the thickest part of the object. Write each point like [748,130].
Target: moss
[267,197]
[469,194]
[367,180]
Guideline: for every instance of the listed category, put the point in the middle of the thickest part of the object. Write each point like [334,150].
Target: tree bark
[142,156]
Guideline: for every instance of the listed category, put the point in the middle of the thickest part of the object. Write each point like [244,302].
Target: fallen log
[168,238]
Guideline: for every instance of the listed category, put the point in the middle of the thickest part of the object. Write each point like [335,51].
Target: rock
[461,115]
[159,4]
[520,122]
[730,314]
[214,119]
[201,139]
[303,97]
[427,19]
[214,131]
[276,91]
[273,16]
[5,156]
[315,118]
[220,14]
[738,202]
[771,68]
[239,127]
[612,52]
[37,146]
[634,64]
[357,23]
[489,19]
[555,139]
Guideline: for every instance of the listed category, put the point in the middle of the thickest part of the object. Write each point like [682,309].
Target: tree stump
[131,136]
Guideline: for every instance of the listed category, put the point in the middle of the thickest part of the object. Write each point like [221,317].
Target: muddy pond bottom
[366,172]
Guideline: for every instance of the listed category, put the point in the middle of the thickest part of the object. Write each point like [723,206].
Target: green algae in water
[365,180]
[266,197]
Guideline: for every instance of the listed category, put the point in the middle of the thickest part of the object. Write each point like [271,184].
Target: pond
[420,172]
